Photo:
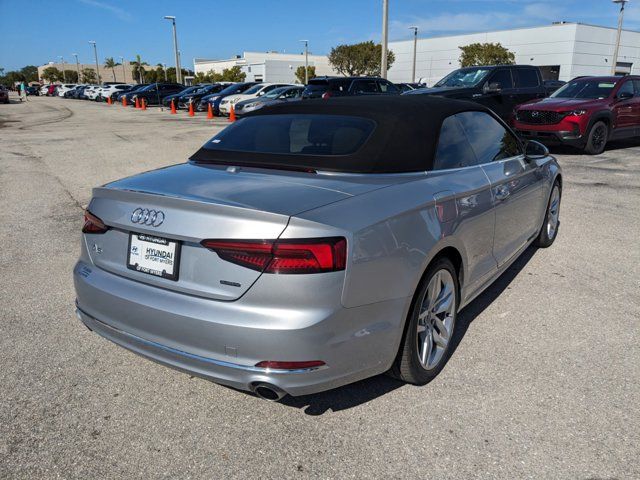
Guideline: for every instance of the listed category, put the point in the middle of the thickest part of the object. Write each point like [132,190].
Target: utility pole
[175,48]
[64,75]
[95,52]
[306,61]
[124,72]
[415,48]
[385,33]
[77,65]
[614,65]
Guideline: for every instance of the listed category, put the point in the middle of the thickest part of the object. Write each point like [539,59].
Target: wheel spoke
[440,340]
[442,329]
[421,328]
[444,302]
[434,289]
[427,345]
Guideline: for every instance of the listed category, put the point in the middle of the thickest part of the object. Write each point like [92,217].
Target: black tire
[407,366]
[597,138]
[547,236]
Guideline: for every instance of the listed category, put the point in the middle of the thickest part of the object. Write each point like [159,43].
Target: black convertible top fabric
[404,140]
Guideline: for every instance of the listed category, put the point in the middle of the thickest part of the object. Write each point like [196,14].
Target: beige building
[266,66]
[121,73]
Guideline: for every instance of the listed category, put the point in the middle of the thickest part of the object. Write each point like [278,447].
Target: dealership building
[561,50]
[266,66]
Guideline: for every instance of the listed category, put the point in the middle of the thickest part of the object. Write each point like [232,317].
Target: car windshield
[468,77]
[191,90]
[254,89]
[276,92]
[585,89]
[287,134]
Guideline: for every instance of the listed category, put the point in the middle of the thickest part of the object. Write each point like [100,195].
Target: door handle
[502,192]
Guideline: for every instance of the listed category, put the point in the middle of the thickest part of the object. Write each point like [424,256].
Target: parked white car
[44,89]
[91,92]
[62,89]
[108,90]
[256,91]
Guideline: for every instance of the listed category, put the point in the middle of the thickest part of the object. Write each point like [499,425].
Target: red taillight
[314,255]
[93,224]
[326,95]
[290,365]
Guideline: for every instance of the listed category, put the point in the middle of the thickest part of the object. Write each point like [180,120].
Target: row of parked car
[585,112]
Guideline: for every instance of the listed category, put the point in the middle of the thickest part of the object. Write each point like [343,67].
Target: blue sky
[36,31]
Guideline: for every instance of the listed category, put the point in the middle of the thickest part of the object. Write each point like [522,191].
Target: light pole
[385,33]
[415,48]
[77,65]
[95,52]
[175,47]
[306,61]
[124,72]
[64,75]
[617,49]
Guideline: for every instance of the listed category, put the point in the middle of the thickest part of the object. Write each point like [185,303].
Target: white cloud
[118,12]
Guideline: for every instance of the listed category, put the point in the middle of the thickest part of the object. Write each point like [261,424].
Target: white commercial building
[562,51]
[266,66]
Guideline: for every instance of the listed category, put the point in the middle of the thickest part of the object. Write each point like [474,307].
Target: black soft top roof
[404,139]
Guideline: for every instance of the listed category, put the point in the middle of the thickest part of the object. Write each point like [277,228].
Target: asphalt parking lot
[544,383]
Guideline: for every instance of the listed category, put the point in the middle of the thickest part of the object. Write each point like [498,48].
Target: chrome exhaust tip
[268,392]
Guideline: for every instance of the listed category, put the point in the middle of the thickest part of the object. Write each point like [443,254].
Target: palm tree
[138,69]
[109,62]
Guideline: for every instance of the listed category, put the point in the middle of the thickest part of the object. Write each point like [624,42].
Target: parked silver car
[312,244]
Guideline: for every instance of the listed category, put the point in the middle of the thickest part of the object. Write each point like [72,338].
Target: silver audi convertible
[316,243]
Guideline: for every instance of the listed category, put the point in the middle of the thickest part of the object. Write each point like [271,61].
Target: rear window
[305,134]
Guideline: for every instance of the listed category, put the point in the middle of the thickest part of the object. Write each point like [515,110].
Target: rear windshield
[300,134]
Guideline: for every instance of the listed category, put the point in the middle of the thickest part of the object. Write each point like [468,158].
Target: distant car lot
[548,354]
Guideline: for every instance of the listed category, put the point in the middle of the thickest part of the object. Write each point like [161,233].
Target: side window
[490,140]
[365,86]
[526,77]
[503,77]
[453,149]
[387,87]
[626,87]
[636,84]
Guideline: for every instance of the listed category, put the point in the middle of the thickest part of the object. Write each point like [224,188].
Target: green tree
[30,73]
[51,74]
[311,73]
[137,71]
[89,75]
[485,54]
[109,62]
[359,59]
[72,76]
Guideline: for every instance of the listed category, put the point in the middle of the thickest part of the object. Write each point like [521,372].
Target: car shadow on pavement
[355,394]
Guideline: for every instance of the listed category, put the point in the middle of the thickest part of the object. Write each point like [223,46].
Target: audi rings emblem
[144,216]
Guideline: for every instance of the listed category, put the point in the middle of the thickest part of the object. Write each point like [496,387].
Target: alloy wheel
[553,216]
[599,136]
[436,319]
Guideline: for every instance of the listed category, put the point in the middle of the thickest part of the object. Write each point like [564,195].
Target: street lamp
[124,72]
[95,52]
[617,49]
[306,61]
[175,47]
[77,65]
[64,75]
[385,33]
[415,47]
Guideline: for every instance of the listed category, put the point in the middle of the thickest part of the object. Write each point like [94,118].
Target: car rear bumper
[223,341]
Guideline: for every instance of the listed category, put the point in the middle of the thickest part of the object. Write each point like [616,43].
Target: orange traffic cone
[210,112]
[137,103]
[144,104]
[124,101]
[109,100]
[232,114]
[191,112]
[173,107]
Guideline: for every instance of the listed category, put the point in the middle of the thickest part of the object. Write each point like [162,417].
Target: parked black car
[553,85]
[166,101]
[155,93]
[499,87]
[326,87]
[407,87]
[128,93]
[215,98]
[196,95]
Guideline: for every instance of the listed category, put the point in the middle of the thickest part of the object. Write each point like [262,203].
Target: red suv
[584,113]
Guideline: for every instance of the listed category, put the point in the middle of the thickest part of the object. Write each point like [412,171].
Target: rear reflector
[314,255]
[290,365]
[93,224]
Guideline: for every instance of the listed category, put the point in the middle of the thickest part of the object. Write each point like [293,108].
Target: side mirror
[624,95]
[534,150]
[493,87]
